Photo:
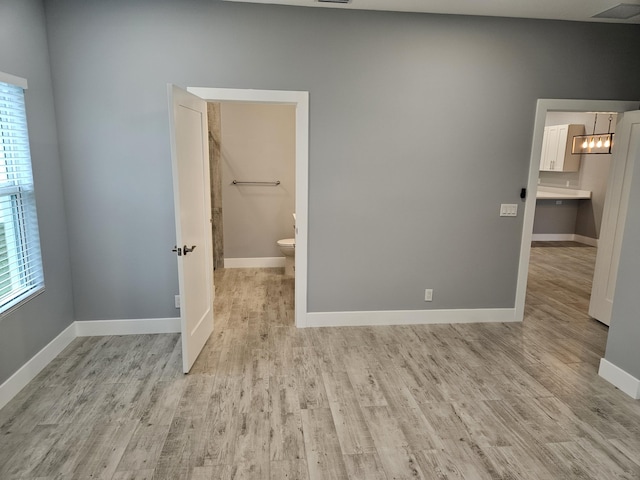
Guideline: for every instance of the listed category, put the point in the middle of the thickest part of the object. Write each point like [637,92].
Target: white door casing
[625,150]
[192,202]
[301,101]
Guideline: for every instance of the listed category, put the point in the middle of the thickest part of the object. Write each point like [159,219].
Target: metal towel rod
[274,184]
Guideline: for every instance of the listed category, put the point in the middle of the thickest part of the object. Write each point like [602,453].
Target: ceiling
[573,10]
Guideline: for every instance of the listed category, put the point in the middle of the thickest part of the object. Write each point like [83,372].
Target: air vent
[334,1]
[623,11]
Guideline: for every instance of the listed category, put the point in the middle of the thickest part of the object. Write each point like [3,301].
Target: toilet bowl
[288,248]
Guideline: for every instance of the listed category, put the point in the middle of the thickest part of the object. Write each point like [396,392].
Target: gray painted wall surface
[553,218]
[623,343]
[421,125]
[593,176]
[258,144]
[23,52]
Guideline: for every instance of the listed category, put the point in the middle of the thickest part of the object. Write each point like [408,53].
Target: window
[21,274]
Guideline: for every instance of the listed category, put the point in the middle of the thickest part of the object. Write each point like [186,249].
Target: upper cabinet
[556,148]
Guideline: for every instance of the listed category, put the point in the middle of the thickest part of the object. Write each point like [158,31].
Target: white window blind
[20,263]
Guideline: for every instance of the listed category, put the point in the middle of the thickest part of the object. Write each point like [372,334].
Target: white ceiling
[575,10]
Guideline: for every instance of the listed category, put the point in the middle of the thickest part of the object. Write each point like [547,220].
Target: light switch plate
[509,210]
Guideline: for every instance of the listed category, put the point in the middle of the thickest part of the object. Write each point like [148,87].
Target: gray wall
[592,175]
[624,335]
[258,144]
[552,217]
[23,52]
[421,125]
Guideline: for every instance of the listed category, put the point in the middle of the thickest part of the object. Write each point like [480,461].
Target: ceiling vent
[622,11]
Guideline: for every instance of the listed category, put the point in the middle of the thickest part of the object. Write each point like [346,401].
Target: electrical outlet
[177,301]
[428,295]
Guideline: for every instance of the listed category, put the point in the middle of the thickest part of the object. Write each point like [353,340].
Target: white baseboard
[29,370]
[619,378]
[259,262]
[553,237]
[35,365]
[409,317]
[564,237]
[138,326]
[593,242]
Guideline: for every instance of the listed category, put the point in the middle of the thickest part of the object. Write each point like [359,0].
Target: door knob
[186,249]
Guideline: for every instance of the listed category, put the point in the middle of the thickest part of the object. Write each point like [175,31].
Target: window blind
[21,273]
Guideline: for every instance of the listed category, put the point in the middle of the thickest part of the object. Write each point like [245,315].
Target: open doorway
[300,101]
[544,107]
[568,216]
[252,162]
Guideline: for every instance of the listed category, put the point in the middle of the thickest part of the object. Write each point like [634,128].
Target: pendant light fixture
[594,143]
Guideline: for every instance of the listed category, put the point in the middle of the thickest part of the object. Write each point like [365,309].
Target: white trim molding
[410,317]
[16,382]
[258,262]
[552,237]
[301,100]
[564,237]
[137,326]
[592,242]
[624,381]
[13,80]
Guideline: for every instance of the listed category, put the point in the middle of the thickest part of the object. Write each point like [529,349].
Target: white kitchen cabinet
[556,148]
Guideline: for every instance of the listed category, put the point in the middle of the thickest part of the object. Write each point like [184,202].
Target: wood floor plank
[96,461]
[308,373]
[362,375]
[286,435]
[351,427]
[457,459]
[400,464]
[133,475]
[322,446]
[289,470]
[144,448]
[385,429]
[365,466]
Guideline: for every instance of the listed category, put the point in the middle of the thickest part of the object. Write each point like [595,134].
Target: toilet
[288,248]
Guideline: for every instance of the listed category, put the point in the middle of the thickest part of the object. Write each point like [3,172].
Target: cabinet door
[545,148]
[552,148]
[558,162]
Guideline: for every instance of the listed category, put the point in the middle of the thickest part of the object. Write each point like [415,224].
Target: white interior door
[625,151]
[192,199]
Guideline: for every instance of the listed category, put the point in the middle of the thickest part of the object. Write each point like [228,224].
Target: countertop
[555,193]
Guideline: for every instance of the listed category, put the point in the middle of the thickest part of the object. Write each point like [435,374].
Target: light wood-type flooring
[268,401]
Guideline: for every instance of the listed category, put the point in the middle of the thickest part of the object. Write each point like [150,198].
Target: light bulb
[599,144]
[585,144]
[607,143]
[592,143]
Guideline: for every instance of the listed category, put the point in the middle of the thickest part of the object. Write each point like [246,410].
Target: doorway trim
[544,106]
[301,101]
